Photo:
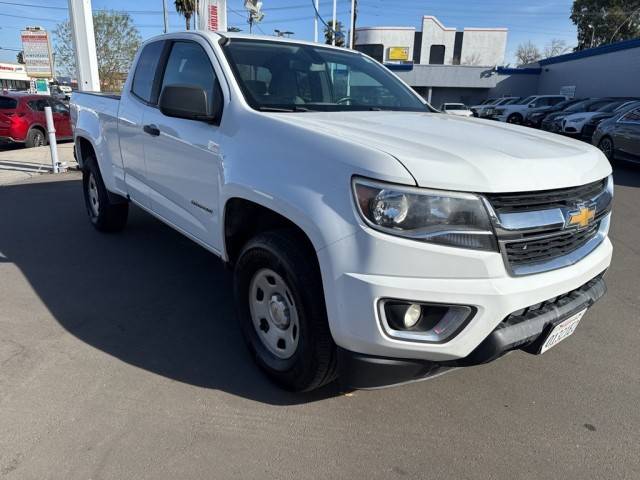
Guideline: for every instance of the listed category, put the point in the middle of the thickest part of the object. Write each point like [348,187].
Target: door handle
[151,130]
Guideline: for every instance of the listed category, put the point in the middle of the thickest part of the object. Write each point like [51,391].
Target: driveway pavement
[120,358]
[18,163]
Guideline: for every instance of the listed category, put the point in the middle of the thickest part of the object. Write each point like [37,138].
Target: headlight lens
[446,218]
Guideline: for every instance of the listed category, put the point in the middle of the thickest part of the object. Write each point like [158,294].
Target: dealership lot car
[590,127]
[486,110]
[535,116]
[619,136]
[366,239]
[22,119]
[515,112]
[553,121]
[459,109]
[573,124]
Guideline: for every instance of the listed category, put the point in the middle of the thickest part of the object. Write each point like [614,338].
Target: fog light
[412,315]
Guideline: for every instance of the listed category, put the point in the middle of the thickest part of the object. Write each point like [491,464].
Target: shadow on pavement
[148,296]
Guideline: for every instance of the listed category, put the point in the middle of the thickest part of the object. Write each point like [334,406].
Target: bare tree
[527,53]
[473,59]
[556,47]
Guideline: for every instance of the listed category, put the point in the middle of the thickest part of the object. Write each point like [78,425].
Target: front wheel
[606,145]
[281,309]
[35,138]
[105,214]
[515,118]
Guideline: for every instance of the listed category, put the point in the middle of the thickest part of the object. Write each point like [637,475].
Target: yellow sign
[399,53]
[582,217]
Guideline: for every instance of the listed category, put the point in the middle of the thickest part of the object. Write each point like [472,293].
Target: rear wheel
[515,118]
[106,214]
[281,309]
[35,138]
[606,145]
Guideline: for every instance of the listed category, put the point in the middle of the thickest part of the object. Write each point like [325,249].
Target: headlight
[446,218]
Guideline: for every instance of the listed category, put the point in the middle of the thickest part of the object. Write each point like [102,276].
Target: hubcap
[94,202]
[39,140]
[273,313]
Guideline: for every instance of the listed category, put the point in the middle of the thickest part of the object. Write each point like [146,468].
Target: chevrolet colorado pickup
[371,237]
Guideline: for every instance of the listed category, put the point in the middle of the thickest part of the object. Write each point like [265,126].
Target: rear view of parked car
[619,136]
[22,119]
[459,109]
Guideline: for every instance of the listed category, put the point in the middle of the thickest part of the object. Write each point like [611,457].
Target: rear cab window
[144,76]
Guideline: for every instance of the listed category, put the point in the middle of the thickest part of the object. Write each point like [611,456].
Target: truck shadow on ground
[147,296]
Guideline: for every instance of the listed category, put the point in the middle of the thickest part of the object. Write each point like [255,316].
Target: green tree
[117,40]
[600,22]
[329,32]
[186,8]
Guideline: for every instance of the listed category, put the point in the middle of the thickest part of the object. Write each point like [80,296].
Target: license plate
[562,331]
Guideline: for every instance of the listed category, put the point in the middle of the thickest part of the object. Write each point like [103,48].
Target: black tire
[35,138]
[105,214]
[606,146]
[314,362]
[515,118]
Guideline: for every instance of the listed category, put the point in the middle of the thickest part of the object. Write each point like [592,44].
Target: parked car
[484,111]
[553,121]
[619,137]
[370,236]
[515,112]
[22,119]
[459,109]
[590,127]
[488,101]
[572,124]
[534,117]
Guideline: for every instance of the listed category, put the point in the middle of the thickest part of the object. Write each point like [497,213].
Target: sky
[537,20]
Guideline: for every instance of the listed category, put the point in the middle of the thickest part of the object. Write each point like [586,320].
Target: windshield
[526,100]
[278,76]
[578,107]
[513,101]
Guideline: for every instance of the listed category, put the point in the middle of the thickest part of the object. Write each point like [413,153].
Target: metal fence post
[51,131]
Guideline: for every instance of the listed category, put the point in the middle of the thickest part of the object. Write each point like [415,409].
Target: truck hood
[466,154]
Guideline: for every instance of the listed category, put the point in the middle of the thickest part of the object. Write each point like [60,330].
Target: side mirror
[188,101]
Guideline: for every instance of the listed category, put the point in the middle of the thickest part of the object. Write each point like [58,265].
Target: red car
[22,119]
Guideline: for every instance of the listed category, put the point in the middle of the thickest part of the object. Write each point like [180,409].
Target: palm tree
[186,8]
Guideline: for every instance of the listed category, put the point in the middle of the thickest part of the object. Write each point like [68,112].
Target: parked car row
[22,119]
[611,123]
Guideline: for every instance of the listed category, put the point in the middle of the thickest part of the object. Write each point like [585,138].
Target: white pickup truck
[371,237]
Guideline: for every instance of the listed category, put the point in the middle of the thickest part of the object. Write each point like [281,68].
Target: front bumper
[523,330]
[363,268]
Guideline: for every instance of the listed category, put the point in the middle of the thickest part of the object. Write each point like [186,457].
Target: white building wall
[434,33]
[483,46]
[388,37]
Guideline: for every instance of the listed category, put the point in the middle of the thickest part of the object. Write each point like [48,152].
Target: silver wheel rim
[273,313]
[38,140]
[94,202]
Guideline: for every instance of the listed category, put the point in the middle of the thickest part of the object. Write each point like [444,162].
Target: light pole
[352,31]
[165,15]
[593,33]
[84,44]
[315,21]
[335,28]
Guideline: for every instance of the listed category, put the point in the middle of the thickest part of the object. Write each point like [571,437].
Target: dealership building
[447,65]
[13,76]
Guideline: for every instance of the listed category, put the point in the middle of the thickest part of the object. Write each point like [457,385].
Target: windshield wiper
[264,108]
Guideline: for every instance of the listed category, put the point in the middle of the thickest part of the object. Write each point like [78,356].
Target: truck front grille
[530,247]
[549,247]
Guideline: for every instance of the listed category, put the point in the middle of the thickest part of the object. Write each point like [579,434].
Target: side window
[59,107]
[556,100]
[37,105]
[142,86]
[632,117]
[189,64]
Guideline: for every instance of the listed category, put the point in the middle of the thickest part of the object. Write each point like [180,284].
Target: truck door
[182,156]
[139,96]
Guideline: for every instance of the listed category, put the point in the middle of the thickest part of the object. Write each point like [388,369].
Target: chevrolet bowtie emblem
[582,217]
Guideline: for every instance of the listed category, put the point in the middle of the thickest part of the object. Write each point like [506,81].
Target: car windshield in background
[455,106]
[276,76]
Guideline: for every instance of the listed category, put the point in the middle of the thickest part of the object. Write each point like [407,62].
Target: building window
[374,50]
[436,55]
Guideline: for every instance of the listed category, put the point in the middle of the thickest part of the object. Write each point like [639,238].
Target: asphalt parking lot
[120,358]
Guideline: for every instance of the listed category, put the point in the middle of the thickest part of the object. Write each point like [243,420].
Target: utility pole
[165,15]
[335,28]
[84,44]
[352,31]
[315,21]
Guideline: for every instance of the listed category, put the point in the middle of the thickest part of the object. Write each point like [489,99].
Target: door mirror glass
[186,101]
